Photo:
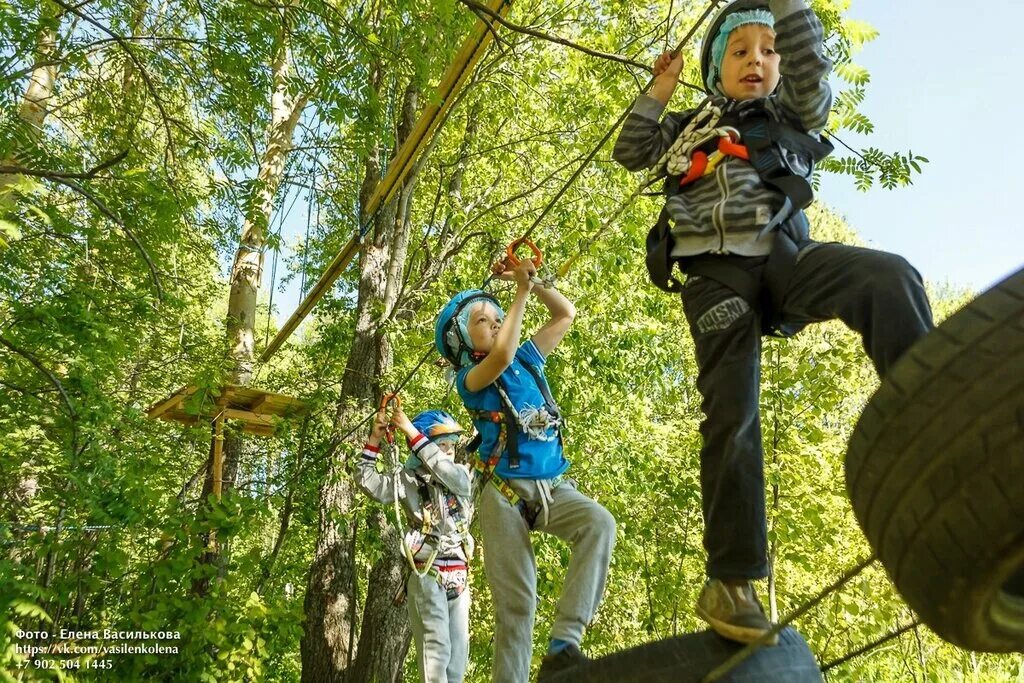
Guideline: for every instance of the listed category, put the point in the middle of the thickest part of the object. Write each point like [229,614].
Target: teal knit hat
[732,22]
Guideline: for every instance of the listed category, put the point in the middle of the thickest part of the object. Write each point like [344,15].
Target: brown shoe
[565,659]
[734,611]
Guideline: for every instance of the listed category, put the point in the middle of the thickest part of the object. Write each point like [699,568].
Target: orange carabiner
[385,401]
[513,260]
[698,164]
[727,146]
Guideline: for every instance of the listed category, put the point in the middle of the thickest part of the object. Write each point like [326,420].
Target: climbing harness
[487,475]
[765,142]
[450,573]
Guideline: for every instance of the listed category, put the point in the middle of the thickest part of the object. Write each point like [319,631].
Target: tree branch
[43,369]
[126,46]
[478,8]
[105,210]
[54,175]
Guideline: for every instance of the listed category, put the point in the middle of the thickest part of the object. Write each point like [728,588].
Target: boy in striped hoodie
[733,223]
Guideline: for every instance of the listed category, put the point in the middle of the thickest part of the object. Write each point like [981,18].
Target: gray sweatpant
[512,569]
[440,629]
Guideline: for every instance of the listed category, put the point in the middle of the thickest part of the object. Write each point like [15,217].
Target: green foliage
[103,522]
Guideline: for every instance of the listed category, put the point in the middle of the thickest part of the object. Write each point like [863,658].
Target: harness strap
[508,412]
[768,292]
[508,417]
[486,468]
[500,484]
[453,589]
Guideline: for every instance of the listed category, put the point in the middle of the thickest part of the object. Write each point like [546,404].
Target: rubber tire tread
[688,658]
[935,470]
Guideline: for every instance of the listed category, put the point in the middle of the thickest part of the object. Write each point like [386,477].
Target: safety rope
[332,446]
[396,489]
[699,130]
[615,126]
[892,635]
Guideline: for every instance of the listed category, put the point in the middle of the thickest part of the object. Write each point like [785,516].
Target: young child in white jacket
[435,494]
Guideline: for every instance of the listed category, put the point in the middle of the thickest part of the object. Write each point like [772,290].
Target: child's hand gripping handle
[511,261]
[385,402]
[510,253]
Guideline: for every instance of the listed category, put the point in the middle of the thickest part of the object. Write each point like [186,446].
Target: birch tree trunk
[247,269]
[38,93]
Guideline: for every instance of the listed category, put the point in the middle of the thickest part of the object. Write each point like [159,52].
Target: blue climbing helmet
[732,16]
[435,425]
[451,332]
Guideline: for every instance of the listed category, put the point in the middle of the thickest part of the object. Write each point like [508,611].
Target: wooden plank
[257,429]
[249,417]
[172,402]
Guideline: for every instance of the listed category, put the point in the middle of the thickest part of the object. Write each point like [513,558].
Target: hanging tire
[689,658]
[935,473]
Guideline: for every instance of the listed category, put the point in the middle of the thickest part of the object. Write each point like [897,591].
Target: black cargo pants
[877,294]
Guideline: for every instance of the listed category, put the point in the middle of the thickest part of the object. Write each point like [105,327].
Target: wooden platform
[259,411]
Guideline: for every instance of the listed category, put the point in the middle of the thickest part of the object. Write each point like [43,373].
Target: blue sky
[939,69]
[946,83]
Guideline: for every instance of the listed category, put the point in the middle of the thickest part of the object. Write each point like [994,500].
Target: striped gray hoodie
[724,212]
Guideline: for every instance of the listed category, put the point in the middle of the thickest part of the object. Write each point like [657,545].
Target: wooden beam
[171,402]
[258,430]
[431,118]
[258,405]
[218,456]
[249,417]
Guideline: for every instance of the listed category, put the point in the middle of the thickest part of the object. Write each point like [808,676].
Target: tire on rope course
[688,658]
[935,473]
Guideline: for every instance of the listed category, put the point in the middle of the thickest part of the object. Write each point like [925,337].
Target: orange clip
[698,164]
[735,149]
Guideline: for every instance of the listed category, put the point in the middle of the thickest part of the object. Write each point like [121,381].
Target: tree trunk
[35,102]
[326,643]
[384,636]
[247,270]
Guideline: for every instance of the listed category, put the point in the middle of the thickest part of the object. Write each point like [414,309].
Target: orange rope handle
[510,252]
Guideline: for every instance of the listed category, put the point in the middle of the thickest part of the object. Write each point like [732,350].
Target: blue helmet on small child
[436,425]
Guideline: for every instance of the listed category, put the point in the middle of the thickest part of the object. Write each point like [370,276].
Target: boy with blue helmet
[521,465]
[737,173]
[435,495]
